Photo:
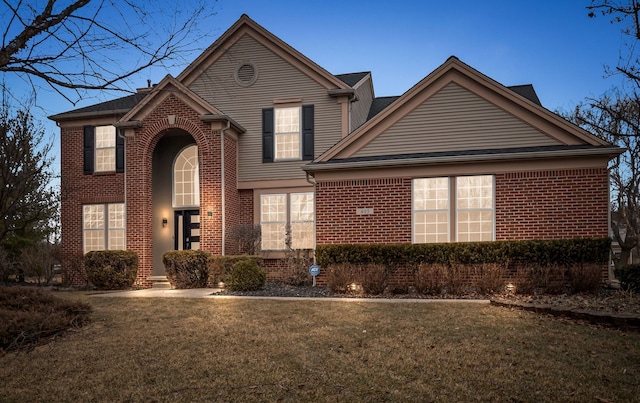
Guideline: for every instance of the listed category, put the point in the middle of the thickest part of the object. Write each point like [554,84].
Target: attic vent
[246,74]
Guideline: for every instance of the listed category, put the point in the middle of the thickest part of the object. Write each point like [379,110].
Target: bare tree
[625,13]
[73,46]
[617,120]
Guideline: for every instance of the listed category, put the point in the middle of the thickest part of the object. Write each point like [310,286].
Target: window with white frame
[186,178]
[431,210]
[105,148]
[287,133]
[302,220]
[273,220]
[464,215]
[474,207]
[274,217]
[103,227]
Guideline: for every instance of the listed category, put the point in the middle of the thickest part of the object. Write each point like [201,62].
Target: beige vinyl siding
[360,108]
[455,119]
[277,80]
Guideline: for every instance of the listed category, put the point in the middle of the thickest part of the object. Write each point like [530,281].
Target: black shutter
[267,135]
[119,152]
[307,132]
[88,149]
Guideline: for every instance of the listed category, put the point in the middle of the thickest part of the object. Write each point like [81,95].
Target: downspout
[222,187]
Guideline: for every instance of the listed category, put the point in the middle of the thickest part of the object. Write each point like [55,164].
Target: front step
[159,282]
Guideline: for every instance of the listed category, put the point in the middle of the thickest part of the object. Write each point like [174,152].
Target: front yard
[153,349]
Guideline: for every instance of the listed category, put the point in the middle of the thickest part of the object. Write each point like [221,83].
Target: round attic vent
[246,74]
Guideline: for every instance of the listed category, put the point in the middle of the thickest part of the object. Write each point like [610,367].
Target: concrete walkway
[208,293]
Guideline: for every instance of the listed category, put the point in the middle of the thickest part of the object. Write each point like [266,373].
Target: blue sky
[551,44]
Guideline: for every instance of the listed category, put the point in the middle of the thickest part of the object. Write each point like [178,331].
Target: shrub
[247,275]
[187,268]
[220,266]
[340,276]
[297,262]
[629,277]
[586,277]
[490,278]
[373,278]
[431,279]
[111,269]
[458,279]
[28,315]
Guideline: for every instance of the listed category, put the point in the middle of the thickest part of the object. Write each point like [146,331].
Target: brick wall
[78,189]
[554,204]
[338,219]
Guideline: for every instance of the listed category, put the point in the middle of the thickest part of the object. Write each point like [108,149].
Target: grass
[265,350]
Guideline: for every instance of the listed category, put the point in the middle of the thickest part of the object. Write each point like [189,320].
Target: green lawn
[262,350]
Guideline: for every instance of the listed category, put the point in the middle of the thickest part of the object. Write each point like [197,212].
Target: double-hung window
[287,133]
[103,150]
[103,227]
[287,215]
[453,209]
[105,157]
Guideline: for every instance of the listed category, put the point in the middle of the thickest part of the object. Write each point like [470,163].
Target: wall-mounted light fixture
[164,222]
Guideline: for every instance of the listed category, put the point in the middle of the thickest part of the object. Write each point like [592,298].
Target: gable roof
[455,71]
[352,79]
[247,26]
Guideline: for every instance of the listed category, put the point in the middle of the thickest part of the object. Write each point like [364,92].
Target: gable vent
[246,74]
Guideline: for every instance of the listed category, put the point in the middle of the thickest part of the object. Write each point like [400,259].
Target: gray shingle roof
[352,79]
[526,91]
[115,106]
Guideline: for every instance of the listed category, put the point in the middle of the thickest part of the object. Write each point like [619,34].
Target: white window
[274,218]
[474,205]
[302,220]
[105,141]
[466,215]
[186,178]
[103,227]
[287,133]
[431,210]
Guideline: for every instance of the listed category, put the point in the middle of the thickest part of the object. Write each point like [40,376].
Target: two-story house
[255,133]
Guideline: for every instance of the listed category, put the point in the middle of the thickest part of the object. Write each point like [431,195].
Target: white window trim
[287,218]
[276,134]
[112,167]
[453,235]
[105,226]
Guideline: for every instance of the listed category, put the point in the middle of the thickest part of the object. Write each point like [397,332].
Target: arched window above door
[186,180]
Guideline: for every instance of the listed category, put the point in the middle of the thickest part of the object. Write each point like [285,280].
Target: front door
[187,232]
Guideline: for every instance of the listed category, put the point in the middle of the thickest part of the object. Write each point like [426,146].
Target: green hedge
[247,275]
[187,268]
[542,252]
[220,266]
[111,269]
[629,277]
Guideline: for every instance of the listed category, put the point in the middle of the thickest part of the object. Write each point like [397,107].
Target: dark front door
[187,233]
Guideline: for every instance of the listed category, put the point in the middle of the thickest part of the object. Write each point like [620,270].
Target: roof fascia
[607,152]
[246,25]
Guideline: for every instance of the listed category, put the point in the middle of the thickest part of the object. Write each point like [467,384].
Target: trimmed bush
[431,279]
[247,275]
[373,278]
[340,276]
[187,268]
[585,278]
[629,277]
[111,269]
[220,266]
